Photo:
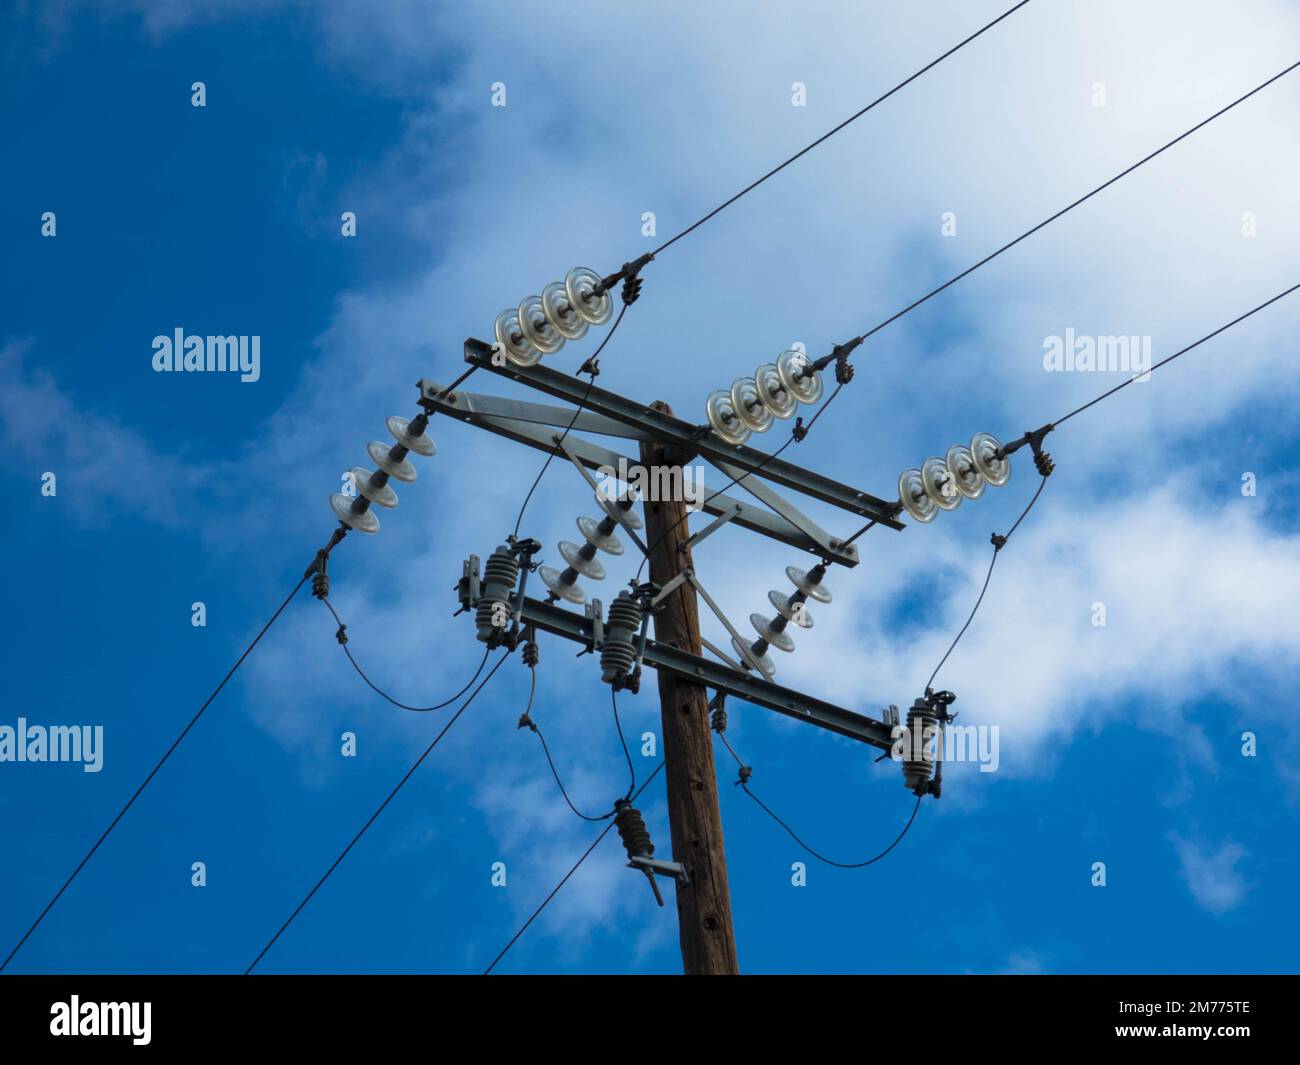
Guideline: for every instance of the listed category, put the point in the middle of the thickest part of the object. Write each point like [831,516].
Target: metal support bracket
[750,661]
[683,435]
[746,686]
[535,430]
[713,526]
[657,866]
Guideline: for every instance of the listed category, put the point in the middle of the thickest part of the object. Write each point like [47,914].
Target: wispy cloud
[1213,878]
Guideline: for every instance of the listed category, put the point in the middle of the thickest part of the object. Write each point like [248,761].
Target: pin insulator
[500,573]
[618,653]
[632,830]
[918,768]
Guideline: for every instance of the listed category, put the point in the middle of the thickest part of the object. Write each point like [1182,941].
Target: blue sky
[1119,744]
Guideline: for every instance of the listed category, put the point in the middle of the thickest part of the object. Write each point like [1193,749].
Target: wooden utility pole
[708,939]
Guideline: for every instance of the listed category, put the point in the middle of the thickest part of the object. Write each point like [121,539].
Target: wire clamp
[744,773]
[800,430]
[342,634]
[718,719]
[629,275]
[320,581]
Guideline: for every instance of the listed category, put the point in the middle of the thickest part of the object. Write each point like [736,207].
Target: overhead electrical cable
[375,816]
[343,640]
[157,766]
[565,879]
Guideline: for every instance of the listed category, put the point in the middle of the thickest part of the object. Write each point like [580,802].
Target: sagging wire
[718,722]
[341,636]
[531,658]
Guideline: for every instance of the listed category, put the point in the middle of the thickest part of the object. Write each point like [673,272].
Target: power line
[802,431]
[848,121]
[1069,207]
[565,879]
[613,701]
[373,817]
[821,857]
[720,730]
[1170,358]
[343,643]
[999,542]
[526,721]
[161,761]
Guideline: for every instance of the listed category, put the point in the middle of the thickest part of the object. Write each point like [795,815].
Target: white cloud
[613,113]
[103,468]
[1213,878]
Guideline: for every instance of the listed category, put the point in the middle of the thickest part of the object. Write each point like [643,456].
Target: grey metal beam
[682,435]
[755,487]
[595,457]
[548,617]
[459,402]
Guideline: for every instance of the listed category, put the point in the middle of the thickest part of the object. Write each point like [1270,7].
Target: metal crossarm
[535,424]
[685,437]
[748,687]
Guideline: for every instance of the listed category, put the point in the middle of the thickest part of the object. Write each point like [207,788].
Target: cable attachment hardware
[630,276]
[924,739]
[342,634]
[532,653]
[320,581]
[800,430]
[718,717]
[839,355]
[744,773]
[1034,438]
[640,851]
